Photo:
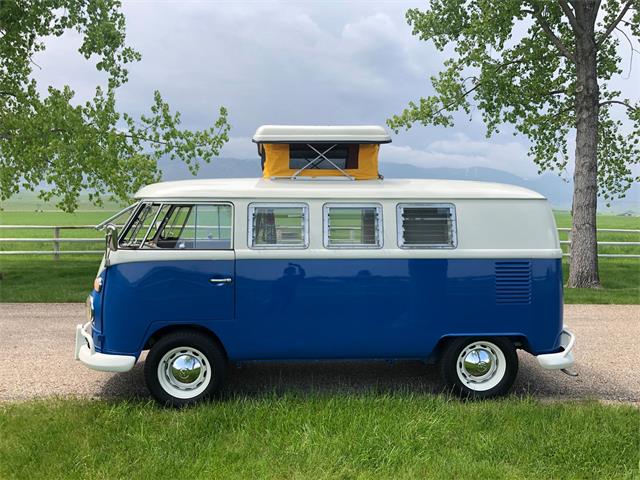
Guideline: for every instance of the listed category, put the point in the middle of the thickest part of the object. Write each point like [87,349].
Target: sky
[294,62]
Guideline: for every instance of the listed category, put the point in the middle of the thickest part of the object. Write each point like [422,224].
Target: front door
[175,265]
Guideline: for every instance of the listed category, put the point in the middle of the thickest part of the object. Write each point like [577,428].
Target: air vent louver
[513,282]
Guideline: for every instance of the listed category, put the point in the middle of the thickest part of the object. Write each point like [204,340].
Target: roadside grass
[36,279]
[320,436]
[40,278]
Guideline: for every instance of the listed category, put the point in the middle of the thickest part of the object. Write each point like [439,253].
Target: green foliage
[515,61]
[50,139]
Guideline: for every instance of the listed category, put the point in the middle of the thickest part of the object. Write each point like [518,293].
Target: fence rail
[57,240]
[612,243]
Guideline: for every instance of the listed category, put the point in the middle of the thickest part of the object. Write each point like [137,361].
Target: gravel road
[37,340]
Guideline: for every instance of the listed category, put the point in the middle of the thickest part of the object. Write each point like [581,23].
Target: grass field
[21,277]
[320,436]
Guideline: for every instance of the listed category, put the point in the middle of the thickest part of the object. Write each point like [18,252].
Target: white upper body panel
[492,220]
[264,188]
[321,133]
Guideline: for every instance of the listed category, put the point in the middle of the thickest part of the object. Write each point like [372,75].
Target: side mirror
[111,238]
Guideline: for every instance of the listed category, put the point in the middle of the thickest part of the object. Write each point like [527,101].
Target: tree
[50,143]
[543,66]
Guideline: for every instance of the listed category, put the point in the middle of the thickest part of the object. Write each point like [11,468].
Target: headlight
[89,305]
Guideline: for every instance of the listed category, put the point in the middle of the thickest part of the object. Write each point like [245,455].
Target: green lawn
[26,278]
[320,436]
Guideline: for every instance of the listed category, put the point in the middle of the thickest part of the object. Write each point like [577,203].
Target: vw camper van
[323,259]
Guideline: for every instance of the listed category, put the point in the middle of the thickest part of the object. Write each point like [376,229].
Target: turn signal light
[97,284]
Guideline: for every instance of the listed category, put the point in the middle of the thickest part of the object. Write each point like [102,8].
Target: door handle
[221,280]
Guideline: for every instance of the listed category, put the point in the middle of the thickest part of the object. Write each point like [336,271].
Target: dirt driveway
[37,340]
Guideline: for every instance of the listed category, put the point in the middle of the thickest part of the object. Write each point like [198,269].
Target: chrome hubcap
[481,365]
[184,372]
[478,362]
[185,368]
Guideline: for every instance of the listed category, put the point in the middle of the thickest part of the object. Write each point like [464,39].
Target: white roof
[264,188]
[321,133]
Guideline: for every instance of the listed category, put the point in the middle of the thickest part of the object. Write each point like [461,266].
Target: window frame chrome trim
[354,246]
[439,246]
[104,223]
[153,222]
[251,207]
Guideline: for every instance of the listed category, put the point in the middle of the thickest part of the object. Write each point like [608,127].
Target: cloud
[291,62]
[241,148]
[460,151]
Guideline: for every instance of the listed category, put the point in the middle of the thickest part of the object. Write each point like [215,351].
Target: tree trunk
[584,247]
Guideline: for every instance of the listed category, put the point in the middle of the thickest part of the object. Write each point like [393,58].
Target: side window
[284,225]
[352,226]
[427,225]
[174,226]
[183,226]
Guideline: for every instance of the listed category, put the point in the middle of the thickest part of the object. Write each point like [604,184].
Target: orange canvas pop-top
[320,151]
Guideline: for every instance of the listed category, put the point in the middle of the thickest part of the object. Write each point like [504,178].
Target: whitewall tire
[479,367]
[184,367]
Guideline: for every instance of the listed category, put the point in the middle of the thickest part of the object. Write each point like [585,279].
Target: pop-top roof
[321,133]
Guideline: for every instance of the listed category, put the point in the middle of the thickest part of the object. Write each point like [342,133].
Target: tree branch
[614,24]
[618,102]
[552,36]
[633,50]
[570,15]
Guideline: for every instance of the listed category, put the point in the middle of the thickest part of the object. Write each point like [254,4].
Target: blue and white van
[308,266]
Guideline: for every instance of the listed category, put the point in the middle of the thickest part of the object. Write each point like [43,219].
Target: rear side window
[426,225]
[284,225]
[182,227]
[352,226]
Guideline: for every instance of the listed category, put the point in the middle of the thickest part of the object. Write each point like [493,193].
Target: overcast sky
[315,62]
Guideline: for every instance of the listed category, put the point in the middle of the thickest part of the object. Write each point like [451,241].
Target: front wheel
[479,367]
[183,368]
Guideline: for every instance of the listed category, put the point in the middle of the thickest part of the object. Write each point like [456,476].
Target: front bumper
[86,353]
[563,359]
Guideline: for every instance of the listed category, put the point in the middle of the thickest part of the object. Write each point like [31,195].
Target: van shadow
[256,379]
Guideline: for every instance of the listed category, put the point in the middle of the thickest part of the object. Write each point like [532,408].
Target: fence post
[56,243]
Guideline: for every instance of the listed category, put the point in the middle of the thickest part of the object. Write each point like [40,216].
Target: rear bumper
[86,353]
[563,359]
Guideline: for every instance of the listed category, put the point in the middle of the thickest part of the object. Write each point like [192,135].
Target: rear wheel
[479,367]
[183,368]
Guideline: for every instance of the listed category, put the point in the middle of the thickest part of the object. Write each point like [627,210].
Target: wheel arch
[162,331]
[519,341]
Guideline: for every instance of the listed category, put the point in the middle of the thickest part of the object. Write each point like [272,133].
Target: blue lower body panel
[340,309]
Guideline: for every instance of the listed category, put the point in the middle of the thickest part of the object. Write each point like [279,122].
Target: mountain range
[556,189]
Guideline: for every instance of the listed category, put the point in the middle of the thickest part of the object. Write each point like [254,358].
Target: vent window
[426,226]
